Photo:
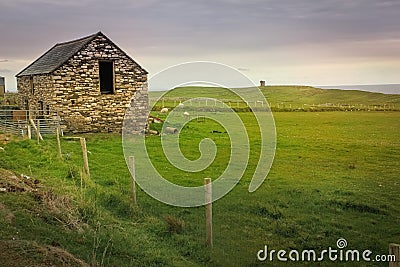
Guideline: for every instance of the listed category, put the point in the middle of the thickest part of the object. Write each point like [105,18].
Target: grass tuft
[271,213]
[174,225]
[363,208]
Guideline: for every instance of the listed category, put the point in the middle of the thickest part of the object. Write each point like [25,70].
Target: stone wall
[137,113]
[73,90]
[42,91]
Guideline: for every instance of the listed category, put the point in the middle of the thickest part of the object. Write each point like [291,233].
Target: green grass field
[335,175]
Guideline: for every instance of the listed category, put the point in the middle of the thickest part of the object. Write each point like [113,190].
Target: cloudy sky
[322,42]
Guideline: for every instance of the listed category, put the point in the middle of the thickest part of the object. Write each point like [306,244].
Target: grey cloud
[179,28]
[5,71]
[206,25]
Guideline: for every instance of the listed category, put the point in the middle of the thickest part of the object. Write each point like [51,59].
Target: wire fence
[240,105]
[19,122]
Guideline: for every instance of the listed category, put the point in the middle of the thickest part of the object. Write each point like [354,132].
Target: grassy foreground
[335,175]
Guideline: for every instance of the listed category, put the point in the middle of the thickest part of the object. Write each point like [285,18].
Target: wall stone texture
[73,90]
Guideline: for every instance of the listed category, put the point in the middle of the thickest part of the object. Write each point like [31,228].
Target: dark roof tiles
[56,56]
[59,54]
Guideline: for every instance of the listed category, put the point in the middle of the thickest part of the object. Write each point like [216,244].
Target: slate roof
[56,56]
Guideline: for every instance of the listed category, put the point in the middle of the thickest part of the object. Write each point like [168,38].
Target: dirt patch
[10,182]
[61,209]
[52,207]
[25,253]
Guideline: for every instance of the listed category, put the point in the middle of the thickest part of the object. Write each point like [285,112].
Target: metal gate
[19,122]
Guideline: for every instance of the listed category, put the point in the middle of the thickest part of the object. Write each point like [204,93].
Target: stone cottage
[88,82]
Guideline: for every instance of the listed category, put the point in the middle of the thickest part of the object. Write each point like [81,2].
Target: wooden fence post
[133,182]
[58,143]
[28,117]
[209,239]
[29,131]
[85,157]
[394,249]
[36,129]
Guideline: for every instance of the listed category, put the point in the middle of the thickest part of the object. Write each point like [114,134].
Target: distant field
[289,98]
[379,88]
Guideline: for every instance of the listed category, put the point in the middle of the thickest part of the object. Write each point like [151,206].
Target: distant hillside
[295,96]
[376,88]
[312,95]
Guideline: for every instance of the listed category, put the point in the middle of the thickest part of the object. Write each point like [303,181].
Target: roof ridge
[60,53]
[80,39]
[89,39]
